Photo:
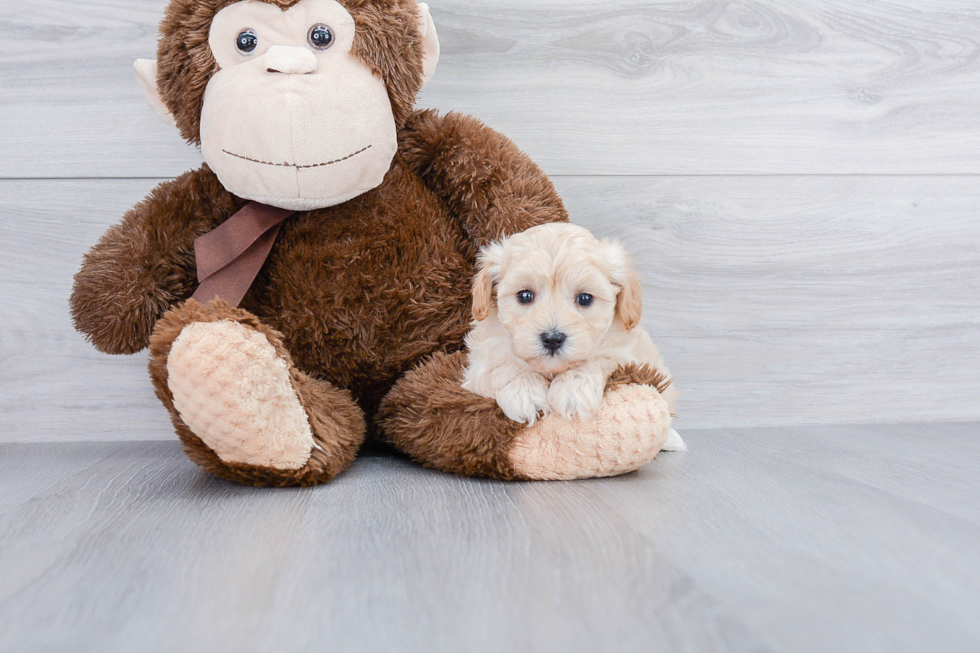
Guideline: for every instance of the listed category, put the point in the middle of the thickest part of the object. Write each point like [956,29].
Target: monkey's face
[291,118]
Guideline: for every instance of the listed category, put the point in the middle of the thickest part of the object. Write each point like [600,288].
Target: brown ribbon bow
[230,256]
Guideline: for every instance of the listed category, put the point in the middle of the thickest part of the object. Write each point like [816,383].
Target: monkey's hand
[145,264]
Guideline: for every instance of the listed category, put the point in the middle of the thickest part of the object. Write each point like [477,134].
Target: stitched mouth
[295,165]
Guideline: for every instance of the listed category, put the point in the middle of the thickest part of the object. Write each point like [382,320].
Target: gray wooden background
[800,182]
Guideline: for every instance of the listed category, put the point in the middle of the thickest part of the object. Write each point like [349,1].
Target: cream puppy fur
[556,312]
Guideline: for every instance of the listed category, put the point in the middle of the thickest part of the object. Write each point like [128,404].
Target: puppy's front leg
[495,372]
[520,393]
[578,392]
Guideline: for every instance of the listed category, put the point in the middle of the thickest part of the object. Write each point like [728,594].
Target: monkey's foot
[628,430]
[429,416]
[233,391]
[241,408]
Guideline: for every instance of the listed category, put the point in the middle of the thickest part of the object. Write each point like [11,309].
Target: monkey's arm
[493,187]
[145,264]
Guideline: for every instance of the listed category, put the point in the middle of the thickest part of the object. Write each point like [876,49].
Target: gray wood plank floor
[790,539]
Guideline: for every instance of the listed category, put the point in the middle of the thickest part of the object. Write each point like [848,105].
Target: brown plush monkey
[356,319]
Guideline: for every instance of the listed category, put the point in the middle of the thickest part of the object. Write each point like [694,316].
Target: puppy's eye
[321,36]
[246,41]
[525,297]
[584,300]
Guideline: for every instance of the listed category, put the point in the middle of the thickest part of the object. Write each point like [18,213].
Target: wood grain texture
[776,300]
[817,539]
[611,87]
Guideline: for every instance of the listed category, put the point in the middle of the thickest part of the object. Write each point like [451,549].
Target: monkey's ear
[146,75]
[430,43]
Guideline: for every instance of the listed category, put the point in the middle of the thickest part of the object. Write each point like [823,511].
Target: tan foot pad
[232,390]
[627,432]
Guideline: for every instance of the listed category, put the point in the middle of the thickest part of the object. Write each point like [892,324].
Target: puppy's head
[557,290]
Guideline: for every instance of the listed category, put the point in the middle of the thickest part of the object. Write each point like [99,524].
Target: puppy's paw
[577,393]
[524,397]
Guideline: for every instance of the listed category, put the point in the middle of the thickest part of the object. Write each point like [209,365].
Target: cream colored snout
[290,60]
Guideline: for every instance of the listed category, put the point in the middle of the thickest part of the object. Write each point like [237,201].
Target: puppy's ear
[629,302]
[488,273]
[482,295]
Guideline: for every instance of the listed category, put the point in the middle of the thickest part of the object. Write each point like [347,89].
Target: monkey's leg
[240,407]
[430,417]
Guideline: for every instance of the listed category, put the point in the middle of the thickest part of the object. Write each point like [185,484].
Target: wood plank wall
[800,183]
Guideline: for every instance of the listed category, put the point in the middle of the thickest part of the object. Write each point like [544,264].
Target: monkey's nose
[553,340]
[290,60]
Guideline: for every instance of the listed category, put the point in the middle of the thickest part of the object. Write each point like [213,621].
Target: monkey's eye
[525,297]
[584,300]
[247,41]
[320,36]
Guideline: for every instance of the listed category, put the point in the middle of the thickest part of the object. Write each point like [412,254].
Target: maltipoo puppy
[557,311]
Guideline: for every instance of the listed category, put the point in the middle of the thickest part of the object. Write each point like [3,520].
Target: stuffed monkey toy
[309,285]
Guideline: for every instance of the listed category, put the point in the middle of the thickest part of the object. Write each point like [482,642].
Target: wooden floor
[782,539]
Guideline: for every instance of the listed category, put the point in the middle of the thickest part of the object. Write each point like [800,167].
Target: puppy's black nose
[553,340]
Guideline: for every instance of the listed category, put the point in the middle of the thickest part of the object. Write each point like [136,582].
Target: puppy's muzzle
[553,341]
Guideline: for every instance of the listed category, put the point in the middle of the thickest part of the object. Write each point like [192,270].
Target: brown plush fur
[430,417]
[144,265]
[387,40]
[336,421]
[352,296]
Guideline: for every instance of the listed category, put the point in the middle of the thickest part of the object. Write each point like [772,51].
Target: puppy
[557,311]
